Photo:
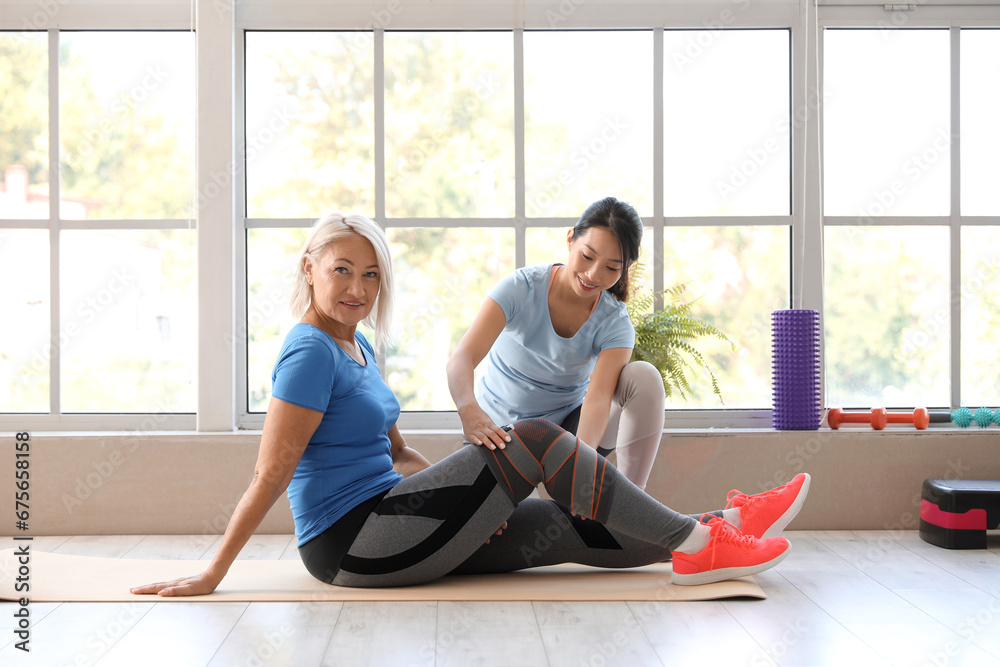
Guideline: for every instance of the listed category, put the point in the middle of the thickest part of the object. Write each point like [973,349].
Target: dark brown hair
[626,225]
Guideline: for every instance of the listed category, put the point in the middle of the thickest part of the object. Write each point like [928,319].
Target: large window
[908,264]
[842,162]
[97,245]
[457,215]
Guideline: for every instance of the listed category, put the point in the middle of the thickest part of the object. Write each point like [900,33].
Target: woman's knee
[641,378]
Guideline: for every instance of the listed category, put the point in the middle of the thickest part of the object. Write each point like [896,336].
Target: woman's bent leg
[578,478]
[635,424]
[427,524]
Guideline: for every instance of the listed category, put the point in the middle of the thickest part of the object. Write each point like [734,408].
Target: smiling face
[595,261]
[345,284]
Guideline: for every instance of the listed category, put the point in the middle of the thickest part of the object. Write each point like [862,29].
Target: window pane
[738,275]
[887,317]
[449,124]
[886,127]
[588,120]
[271,257]
[442,277]
[124,119]
[24,335]
[24,125]
[980,299]
[128,321]
[725,122]
[980,134]
[310,127]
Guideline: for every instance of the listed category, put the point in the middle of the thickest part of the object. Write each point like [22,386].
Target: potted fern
[666,337]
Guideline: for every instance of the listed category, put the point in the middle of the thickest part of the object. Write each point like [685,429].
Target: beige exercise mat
[66,578]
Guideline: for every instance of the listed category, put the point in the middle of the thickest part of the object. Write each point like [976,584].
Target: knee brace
[542,453]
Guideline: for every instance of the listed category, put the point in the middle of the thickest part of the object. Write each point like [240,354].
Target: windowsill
[708,431]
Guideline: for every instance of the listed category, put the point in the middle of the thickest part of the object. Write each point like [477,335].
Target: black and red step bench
[956,513]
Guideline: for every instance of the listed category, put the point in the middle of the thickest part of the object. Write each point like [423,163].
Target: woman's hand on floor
[201,584]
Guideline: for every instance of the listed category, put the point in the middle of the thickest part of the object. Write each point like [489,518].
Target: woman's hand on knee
[479,429]
[201,584]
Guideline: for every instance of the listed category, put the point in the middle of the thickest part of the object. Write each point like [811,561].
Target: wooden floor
[840,598]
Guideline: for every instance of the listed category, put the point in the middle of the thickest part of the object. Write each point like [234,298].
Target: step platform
[956,513]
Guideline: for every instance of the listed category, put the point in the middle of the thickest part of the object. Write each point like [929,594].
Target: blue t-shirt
[348,459]
[531,370]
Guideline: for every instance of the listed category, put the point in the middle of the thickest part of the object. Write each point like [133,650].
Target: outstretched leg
[434,520]
[579,478]
[543,532]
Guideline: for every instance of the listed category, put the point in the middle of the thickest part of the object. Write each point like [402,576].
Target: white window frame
[50,19]
[222,224]
[602,15]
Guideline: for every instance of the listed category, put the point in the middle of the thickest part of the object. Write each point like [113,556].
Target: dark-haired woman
[557,341]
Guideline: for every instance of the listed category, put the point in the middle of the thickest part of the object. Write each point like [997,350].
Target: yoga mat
[66,578]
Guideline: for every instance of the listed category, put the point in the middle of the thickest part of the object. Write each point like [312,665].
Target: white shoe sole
[722,574]
[775,528]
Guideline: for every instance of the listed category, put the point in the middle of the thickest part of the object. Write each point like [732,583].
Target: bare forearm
[593,421]
[461,383]
[257,500]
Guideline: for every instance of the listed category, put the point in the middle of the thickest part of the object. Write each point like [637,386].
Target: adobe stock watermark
[759,155]
[87,311]
[937,324]
[544,538]
[446,638]
[269,646]
[563,11]
[970,629]
[91,480]
[605,650]
[261,311]
[796,459]
[431,310]
[42,18]
[911,171]
[466,112]
[100,641]
[581,158]
[780,648]
[907,521]
[126,102]
[257,143]
[379,17]
[899,16]
[700,41]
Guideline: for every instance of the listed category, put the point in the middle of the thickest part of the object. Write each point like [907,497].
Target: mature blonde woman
[370,511]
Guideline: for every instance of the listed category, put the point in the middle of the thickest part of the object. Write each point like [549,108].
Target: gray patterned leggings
[436,522]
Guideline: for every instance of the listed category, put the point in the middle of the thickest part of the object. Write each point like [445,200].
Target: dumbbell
[878,418]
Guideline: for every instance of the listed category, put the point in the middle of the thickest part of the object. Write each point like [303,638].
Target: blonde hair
[329,229]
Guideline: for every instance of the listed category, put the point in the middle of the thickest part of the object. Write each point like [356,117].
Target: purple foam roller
[795,370]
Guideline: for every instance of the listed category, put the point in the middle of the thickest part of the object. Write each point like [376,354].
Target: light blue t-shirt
[348,459]
[532,371]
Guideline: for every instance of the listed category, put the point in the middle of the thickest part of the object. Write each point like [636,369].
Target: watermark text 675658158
[22,553]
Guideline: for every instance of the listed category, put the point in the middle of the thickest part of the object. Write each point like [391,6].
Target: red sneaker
[766,514]
[729,554]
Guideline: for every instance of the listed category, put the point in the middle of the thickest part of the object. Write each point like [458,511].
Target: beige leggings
[635,423]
